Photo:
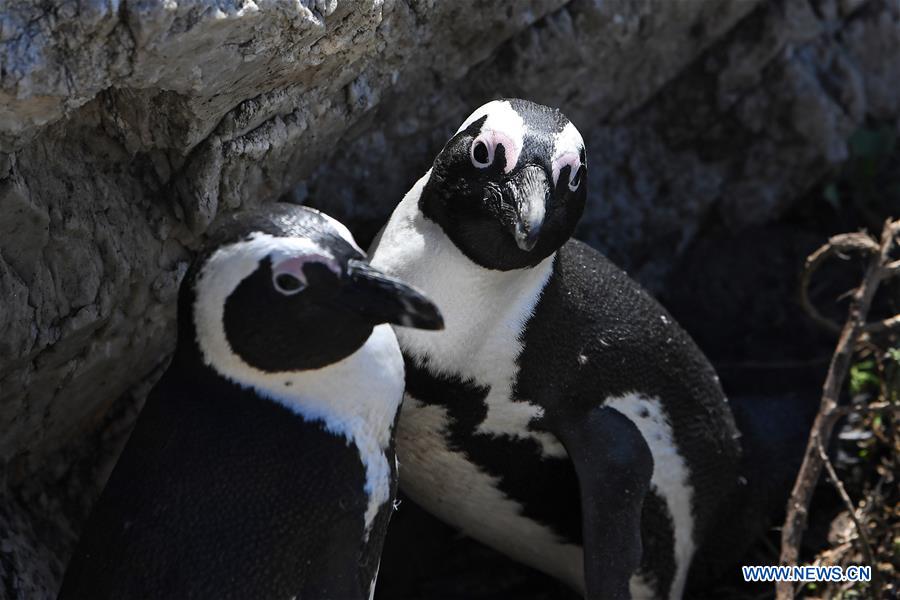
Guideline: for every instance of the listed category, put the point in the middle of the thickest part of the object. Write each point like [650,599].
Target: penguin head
[286,288]
[509,187]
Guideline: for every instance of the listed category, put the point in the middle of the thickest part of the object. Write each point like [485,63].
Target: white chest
[485,313]
[356,398]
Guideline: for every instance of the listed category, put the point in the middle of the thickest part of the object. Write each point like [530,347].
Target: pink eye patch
[567,159]
[288,276]
[489,140]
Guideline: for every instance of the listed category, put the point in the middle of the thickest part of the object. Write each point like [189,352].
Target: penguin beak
[384,299]
[527,194]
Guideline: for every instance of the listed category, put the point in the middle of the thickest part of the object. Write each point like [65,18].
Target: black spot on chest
[546,487]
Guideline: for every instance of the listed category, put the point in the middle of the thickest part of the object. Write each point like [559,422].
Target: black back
[222,494]
[632,344]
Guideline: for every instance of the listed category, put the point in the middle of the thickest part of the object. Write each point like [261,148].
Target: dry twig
[839,245]
[879,268]
[851,510]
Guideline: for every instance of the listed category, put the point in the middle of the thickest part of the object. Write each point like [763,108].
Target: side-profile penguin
[262,465]
[562,416]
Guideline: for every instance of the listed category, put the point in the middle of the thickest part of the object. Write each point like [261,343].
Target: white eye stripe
[502,125]
[568,149]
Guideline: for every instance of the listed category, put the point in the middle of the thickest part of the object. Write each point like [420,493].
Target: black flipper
[614,466]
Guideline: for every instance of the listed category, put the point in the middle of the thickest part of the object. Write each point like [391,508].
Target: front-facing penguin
[562,417]
[262,464]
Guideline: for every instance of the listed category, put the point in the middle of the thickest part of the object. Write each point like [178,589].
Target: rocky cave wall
[127,127]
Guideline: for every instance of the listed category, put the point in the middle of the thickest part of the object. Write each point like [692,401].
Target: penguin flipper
[614,465]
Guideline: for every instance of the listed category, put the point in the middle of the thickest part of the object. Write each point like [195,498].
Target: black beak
[384,299]
[527,193]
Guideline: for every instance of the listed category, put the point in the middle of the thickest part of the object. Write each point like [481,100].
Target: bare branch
[859,242]
[892,269]
[836,245]
[851,510]
[883,325]
[811,469]
[875,408]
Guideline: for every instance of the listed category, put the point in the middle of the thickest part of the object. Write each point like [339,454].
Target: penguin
[562,416]
[262,464]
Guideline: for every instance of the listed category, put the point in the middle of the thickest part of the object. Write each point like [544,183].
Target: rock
[126,128]
[735,115]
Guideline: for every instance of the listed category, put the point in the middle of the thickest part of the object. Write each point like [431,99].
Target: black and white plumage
[562,417]
[262,465]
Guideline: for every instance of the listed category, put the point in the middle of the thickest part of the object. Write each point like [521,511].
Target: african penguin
[562,416]
[262,465]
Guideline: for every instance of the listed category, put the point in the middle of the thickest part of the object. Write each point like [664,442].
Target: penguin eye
[482,152]
[293,275]
[577,170]
[495,148]
[287,284]
[576,180]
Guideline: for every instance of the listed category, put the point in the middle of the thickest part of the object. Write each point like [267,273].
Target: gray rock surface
[127,127]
